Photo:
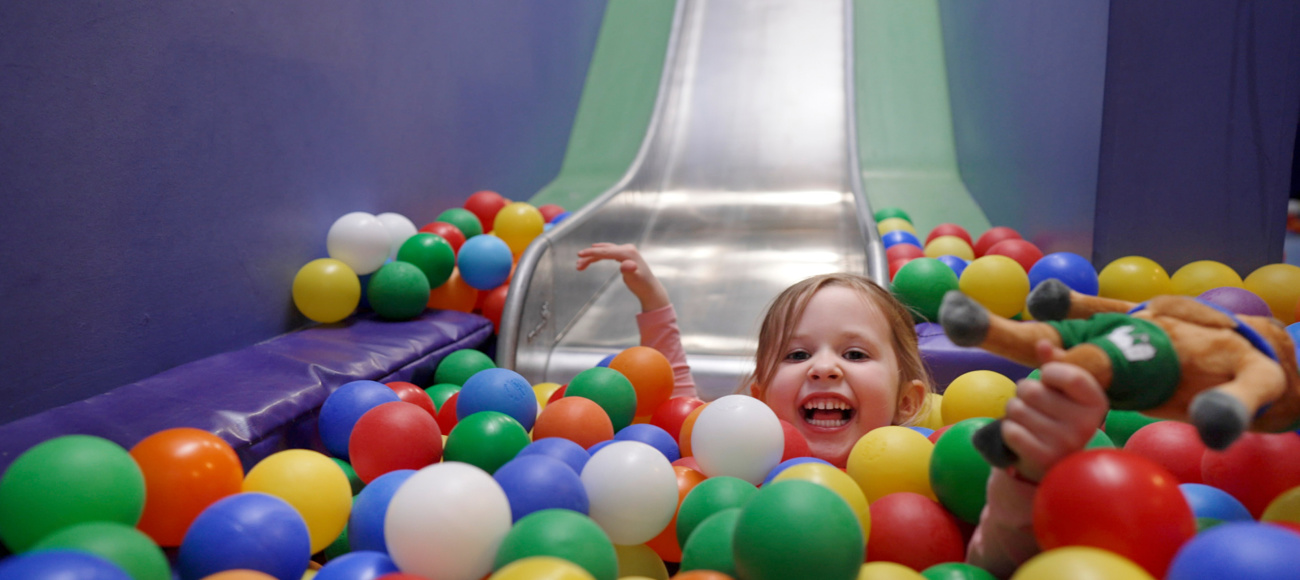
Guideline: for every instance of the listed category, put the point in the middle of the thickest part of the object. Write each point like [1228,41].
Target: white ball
[446,522]
[632,491]
[738,436]
[399,229]
[359,240]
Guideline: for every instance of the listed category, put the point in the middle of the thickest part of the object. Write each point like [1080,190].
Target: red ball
[394,436]
[1173,444]
[895,265]
[993,236]
[934,437]
[448,232]
[1255,469]
[913,530]
[903,251]
[1116,501]
[447,413]
[670,415]
[1024,253]
[557,394]
[795,444]
[413,394]
[949,230]
[485,205]
[494,304]
[549,211]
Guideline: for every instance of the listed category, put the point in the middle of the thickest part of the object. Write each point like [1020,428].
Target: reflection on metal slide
[747,181]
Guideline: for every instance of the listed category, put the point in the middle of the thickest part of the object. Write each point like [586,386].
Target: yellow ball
[1284,508]
[977,394]
[891,459]
[949,246]
[933,410]
[887,571]
[543,392]
[837,481]
[1197,277]
[997,282]
[1279,286]
[893,224]
[1132,278]
[1080,563]
[541,568]
[313,484]
[326,290]
[517,224]
[640,560]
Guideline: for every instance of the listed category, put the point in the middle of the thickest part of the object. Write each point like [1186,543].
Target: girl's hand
[1051,418]
[636,273]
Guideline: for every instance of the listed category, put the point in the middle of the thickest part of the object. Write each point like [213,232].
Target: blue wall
[167,166]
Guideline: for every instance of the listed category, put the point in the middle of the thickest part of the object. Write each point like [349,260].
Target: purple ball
[1237,301]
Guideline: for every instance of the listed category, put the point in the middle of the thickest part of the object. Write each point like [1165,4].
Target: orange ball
[577,419]
[688,427]
[240,575]
[665,544]
[651,375]
[454,294]
[185,471]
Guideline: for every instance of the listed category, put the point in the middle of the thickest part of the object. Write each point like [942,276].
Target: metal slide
[746,182]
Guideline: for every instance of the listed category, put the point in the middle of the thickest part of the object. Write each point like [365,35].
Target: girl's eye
[797,355]
[855,355]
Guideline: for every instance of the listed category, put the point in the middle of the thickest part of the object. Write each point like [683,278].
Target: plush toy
[1173,357]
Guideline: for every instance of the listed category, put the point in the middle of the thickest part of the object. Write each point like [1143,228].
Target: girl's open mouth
[827,412]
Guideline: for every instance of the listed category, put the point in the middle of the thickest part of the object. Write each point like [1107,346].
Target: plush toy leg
[1053,300]
[1222,413]
[967,323]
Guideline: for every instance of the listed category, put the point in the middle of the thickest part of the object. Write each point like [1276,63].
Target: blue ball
[370,508]
[253,531]
[484,262]
[1238,550]
[356,565]
[922,430]
[1212,502]
[344,407]
[500,390]
[604,362]
[958,265]
[559,448]
[900,237]
[536,482]
[653,436]
[790,463]
[60,565]
[559,218]
[1072,269]
[597,447]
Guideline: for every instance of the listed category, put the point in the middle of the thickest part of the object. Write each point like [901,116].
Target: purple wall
[167,166]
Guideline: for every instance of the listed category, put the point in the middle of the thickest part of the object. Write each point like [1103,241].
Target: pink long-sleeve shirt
[659,331]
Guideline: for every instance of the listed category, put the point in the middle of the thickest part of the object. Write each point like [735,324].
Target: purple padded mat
[948,361]
[263,398]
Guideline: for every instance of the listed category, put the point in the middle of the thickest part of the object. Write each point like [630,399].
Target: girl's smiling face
[838,378]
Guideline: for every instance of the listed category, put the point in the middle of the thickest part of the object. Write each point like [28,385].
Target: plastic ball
[1279,286]
[950,229]
[518,224]
[896,265]
[326,290]
[797,529]
[688,429]
[992,237]
[632,490]
[665,544]
[788,463]
[1120,425]
[543,392]
[921,284]
[485,262]
[1255,469]
[651,376]
[949,246]
[344,407]
[448,232]
[494,305]
[977,394]
[1239,550]
[459,366]
[541,568]
[1073,270]
[711,545]
[537,482]
[1197,277]
[369,508]
[1285,508]
[835,480]
[899,237]
[487,440]
[931,415]
[413,394]
[956,571]
[609,389]
[357,564]
[398,291]
[447,414]
[1133,279]
[885,213]
[394,436]
[737,436]
[439,393]
[709,497]
[1080,563]
[1174,445]
[895,224]
[958,473]
[400,229]
[903,252]
[1212,502]
[118,543]
[549,211]
[464,220]
[432,255]
[572,454]
[446,522]
[310,482]
[889,460]
[1116,501]
[485,204]
[354,482]
[61,565]
[577,419]
[454,294]
[653,436]
[997,282]
[1023,252]
[251,575]
[1237,301]
[359,240]
[501,390]
[185,470]
[887,571]
[65,481]
[795,444]
[957,265]
[671,414]
[253,531]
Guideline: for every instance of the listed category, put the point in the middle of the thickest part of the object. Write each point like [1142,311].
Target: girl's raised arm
[636,273]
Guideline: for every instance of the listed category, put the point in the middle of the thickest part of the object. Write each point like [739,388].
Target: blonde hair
[783,315]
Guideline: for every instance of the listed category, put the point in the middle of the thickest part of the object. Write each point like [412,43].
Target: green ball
[956,571]
[463,219]
[958,473]
[1203,524]
[563,534]
[398,291]
[1036,374]
[354,480]
[440,393]
[431,254]
[797,529]
[609,389]
[709,497]
[710,547]
[487,439]
[892,212]
[1120,425]
[118,543]
[1100,441]
[459,366]
[921,284]
[339,547]
[67,481]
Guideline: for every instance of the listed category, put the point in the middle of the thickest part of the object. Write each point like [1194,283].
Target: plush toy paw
[963,319]
[1050,300]
[1219,418]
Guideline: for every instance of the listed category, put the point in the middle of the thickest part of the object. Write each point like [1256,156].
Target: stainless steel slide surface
[747,182]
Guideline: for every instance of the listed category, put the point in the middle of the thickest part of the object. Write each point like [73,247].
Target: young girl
[838,356]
